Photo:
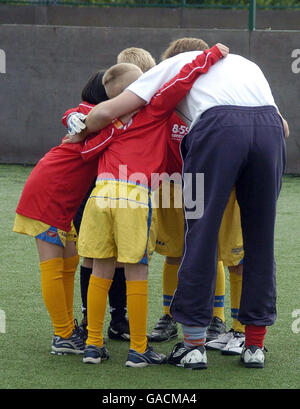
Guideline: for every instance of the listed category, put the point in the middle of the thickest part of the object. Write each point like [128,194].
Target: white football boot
[253,357]
[235,345]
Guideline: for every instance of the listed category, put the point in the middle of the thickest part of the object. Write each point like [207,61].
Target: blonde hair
[118,77]
[184,44]
[137,56]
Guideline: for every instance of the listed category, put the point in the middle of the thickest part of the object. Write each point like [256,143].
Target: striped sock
[219,293]
[193,336]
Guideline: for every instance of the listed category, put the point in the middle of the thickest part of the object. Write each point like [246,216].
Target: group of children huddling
[111,178]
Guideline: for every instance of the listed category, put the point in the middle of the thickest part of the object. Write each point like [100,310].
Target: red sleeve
[95,144]
[66,114]
[83,107]
[166,99]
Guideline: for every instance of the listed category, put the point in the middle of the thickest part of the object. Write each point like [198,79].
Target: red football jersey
[58,183]
[139,151]
[178,131]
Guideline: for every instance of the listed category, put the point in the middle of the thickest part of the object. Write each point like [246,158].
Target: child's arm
[105,112]
[102,114]
[166,99]
[73,118]
[67,113]
[96,144]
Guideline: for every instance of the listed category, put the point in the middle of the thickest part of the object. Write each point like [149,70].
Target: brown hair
[137,56]
[184,44]
[118,77]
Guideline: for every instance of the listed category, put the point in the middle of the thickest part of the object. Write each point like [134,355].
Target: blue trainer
[94,354]
[73,345]
[149,357]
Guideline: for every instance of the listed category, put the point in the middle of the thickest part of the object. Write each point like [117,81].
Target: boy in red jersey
[118,327]
[48,204]
[125,177]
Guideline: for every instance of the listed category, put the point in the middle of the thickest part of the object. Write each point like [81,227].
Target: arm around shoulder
[105,112]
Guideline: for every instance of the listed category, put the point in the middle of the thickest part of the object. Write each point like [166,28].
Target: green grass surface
[25,361]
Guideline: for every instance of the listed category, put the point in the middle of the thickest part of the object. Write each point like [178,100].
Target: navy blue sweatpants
[244,147]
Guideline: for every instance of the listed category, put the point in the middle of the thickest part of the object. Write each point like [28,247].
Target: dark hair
[94,91]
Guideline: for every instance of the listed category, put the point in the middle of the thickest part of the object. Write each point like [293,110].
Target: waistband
[238,108]
[103,181]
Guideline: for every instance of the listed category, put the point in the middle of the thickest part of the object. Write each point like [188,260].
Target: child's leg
[170,279]
[86,270]
[218,310]
[117,292]
[117,295]
[100,282]
[51,265]
[119,326]
[86,266]
[217,326]
[236,277]
[140,354]
[137,304]
[71,260]
[166,327]
[48,250]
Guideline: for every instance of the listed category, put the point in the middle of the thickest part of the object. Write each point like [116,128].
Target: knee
[173,260]
[87,262]
[236,269]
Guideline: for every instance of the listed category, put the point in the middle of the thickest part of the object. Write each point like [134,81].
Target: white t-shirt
[234,80]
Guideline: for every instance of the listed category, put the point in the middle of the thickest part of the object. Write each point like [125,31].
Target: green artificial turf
[25,359]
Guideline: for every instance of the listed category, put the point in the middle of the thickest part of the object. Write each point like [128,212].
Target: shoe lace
[163,321]
[238,334]
[78,330]
[149,348]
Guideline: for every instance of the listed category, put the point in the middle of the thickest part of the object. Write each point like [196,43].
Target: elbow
[105,116]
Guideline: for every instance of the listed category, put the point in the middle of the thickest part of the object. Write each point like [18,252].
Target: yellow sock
[169,285]
[54,296]
[70,266]
[137,307]
[235,296]
[219,293]
[96,307]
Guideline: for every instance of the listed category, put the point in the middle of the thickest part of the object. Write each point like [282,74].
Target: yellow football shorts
[170,237]
[119,221]
[230,240]
[43,231]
